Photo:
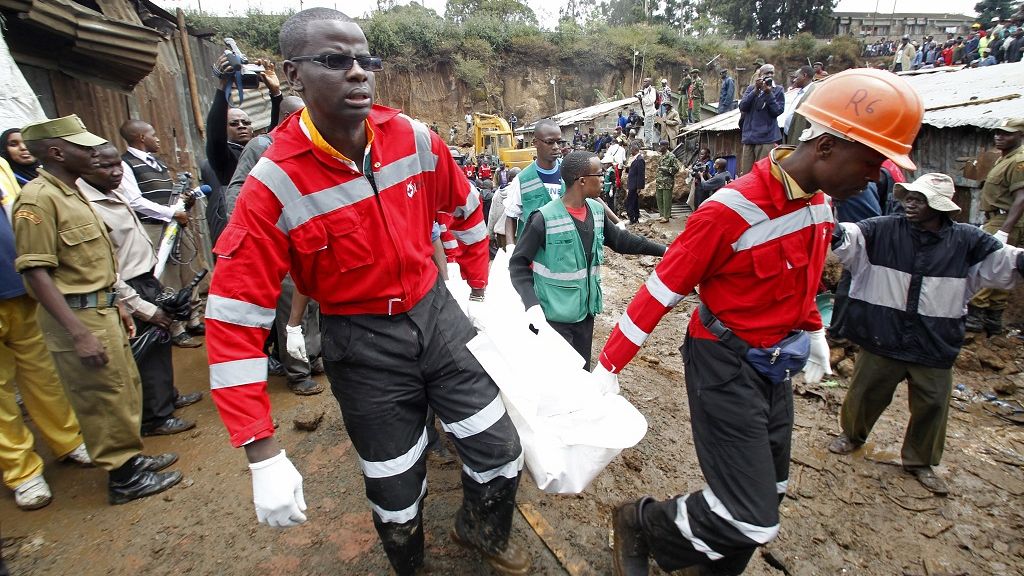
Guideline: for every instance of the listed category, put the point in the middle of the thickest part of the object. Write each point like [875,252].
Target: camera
[769,82]
[238,61]
[697,169]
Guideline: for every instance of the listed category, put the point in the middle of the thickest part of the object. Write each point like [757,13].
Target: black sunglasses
[343,61]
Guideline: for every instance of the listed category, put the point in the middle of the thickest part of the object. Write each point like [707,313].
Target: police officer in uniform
[69,265]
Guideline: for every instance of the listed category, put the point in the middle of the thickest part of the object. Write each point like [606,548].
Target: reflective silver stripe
[478,422]
[238,312]
[739,204]
[509,470]
[560,221]
[299,208]
[274,178]
[472,202]
[561,229]
[771,229]
[424,146]
[662,293]
[542,270]
[881,286]
[238,372]
[532,185]
[781,487]
[473,235]
[397,465]
[683,523]
[759,534]
[450,245]
[943,297]
[324,201]
[401,516]
[631,330]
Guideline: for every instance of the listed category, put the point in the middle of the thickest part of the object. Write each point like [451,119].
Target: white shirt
[647,98]
[616,155]
[129,188]
[786,118]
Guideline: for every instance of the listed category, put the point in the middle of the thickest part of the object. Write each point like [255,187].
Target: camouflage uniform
[668,165]
[696,99]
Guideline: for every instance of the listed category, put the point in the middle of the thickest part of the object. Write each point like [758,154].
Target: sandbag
[569,431]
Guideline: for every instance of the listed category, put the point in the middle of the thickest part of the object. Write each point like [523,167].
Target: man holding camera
[705,185]
[228,130]
[761,105]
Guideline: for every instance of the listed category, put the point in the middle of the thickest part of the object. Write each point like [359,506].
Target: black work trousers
[633,206]
[385,371]
[580,335]
[742,427]
[156,367]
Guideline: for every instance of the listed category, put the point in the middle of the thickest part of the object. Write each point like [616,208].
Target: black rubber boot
[993,322]
[631,556]
[403,543]
[975,319]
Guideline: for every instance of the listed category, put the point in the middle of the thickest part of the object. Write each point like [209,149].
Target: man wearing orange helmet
[755,250]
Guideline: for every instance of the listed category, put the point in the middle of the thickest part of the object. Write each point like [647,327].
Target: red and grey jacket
[356,245]
[757,257]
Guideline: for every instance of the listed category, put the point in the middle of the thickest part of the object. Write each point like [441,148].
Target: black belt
[101,299]
[721,331]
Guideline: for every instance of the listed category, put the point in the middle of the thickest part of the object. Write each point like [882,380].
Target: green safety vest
[534,194]
[568,290]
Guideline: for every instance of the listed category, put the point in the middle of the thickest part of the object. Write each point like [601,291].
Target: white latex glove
[818,364]
[296,345]
[475,312]
[1001,236]
[606,382]
[621,225]
[535,316]
[277,492]
[510,248]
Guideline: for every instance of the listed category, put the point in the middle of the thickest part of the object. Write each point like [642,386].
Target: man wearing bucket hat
[912,275]
[69,265]
[1002,200]
[756,249]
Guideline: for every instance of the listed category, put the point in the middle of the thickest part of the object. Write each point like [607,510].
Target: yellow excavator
[492,136]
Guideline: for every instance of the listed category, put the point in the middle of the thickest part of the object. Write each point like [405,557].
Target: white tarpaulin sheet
[18,103]
[569,430]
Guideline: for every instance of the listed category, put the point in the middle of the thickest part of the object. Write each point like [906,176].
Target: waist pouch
[777,362]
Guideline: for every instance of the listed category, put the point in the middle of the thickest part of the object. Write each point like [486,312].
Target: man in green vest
[538,183]
[556,266]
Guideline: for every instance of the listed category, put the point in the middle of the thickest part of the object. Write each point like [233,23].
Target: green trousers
[995,298]
[107,400]
[874,382]
[663,195]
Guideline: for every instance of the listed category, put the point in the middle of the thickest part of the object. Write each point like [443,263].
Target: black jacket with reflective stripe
[911,286]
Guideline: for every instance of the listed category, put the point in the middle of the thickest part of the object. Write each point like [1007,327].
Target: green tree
[511,11]
[775,18]
[988,9]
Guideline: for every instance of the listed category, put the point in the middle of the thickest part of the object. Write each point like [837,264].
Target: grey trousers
[296,370]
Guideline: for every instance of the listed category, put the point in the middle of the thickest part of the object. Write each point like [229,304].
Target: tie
[152,162]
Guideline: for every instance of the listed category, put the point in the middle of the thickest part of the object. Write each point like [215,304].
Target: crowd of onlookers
[1001,42]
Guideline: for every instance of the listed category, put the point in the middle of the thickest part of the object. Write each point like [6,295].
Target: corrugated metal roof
[577,115]
[97,45]
[980,97]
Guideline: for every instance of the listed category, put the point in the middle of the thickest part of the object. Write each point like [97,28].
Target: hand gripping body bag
[569,431]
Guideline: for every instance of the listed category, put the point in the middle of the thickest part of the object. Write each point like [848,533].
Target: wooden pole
[190,73]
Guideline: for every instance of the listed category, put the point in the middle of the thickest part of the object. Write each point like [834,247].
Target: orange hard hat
[873,107]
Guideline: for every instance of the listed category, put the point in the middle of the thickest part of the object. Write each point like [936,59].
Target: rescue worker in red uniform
[756,250]
[344,199]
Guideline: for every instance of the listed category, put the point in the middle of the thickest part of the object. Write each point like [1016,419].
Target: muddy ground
[843,515]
